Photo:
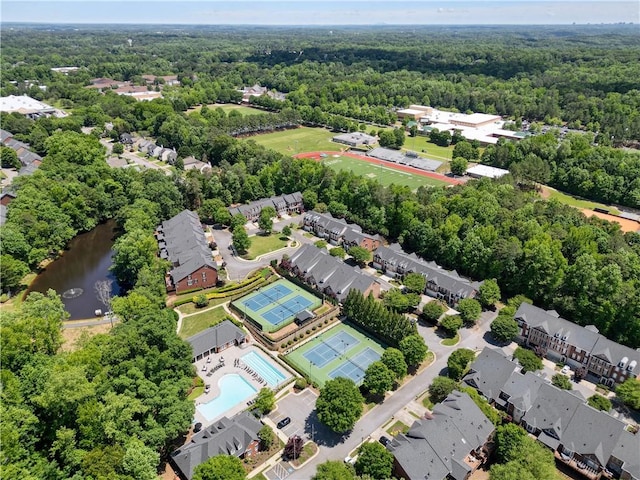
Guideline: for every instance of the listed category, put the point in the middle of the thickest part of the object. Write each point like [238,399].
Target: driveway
[238,268]
[470,338]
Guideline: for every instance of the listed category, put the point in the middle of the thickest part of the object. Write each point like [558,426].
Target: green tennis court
[276,305]
[341,351]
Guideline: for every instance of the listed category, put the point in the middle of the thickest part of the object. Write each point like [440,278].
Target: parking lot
[298,408]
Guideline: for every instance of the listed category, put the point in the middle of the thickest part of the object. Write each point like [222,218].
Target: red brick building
[181,240]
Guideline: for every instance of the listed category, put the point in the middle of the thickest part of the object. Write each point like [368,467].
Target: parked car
[565,370]
[284,422]
[197,427]
[207,388]
[350,460]
[384,440]
[204,367]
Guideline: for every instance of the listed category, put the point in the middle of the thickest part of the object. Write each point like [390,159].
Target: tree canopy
[220,467]
[374,460]
[339,405]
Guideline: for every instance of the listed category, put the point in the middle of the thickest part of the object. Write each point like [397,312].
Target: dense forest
[114,406]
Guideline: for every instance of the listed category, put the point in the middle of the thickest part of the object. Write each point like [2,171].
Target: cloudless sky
[320,12]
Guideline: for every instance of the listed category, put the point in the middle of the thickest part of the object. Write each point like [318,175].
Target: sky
[321,12]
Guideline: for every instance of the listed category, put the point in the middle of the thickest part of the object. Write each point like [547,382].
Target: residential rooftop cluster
[606,361]
[283,204]
[587,440]
[181,240]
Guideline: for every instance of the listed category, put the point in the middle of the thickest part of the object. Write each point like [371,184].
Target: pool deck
[230,355]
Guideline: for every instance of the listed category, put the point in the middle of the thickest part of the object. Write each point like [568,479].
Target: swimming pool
[263,368]
[233,390]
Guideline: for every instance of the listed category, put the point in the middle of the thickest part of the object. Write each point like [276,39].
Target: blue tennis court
[284,311]
[355,367]
[328,350]
[263,298]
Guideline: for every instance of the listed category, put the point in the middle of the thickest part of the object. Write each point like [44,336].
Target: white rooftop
[23,104]
[411,111]
[486,171]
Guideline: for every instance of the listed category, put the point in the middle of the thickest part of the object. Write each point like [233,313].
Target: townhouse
[328,274]
[181,240]
[442,284]
[286,204]
[338,232]
[587,440]
[451,443]
[606,361]
[237,436]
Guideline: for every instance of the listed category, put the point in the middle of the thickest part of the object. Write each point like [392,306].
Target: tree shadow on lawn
[322,435]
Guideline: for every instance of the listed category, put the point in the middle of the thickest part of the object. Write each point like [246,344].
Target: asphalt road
[238,268]
[335,449]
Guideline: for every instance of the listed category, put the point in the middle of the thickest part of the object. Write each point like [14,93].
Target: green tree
[378,379]
[415,283]
[469,309]
[286,231]
[265,400]
[339,405]
[337,252]
[458,362]
[458,166]
[504,328]
[520,456]
[220,467]
[387,138]
[488,293]
[140,461]
[451,324]
[240,239]
[9,158]
[561,381]
[432,311]
[465,150]
[629,393]
[374,460]
[133,251]
[117,149]
[414,349]
[265,221]
[266,436]
[394,360]
[400,302]
[360,255]
[12,271]
[529,361]
[509,438]
[238,220]
[334,470]
[400,137]
[440,388]
[599,402]
[309,199]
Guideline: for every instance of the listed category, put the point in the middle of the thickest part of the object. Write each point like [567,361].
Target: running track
[375,161]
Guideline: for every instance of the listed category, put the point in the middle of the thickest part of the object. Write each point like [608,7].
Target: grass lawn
[298,140]
[200,321]
[189,308]
[397,427]
[385,175]
[261,244]
[578,202]
[449,342]
[228,107]
[308,450]
[421,145]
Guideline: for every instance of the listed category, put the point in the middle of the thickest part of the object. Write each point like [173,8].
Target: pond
[74,275]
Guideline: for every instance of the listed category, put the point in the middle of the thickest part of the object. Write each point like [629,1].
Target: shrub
[451,324]
[201,300]
[300,384]
[561,381]
[599,402]
[432,311]
[321,244]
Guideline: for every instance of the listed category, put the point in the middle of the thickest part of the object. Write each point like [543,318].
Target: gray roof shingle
[489,372]
[437,447]
[216,336]
[223,437]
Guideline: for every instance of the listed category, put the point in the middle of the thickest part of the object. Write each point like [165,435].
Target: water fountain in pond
[73,293]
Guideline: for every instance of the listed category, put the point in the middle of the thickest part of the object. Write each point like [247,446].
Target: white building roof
[486,171]
[410,111]
[23,104]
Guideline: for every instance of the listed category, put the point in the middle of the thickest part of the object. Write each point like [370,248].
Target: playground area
[341,351]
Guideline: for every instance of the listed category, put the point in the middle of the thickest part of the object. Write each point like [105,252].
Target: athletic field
[296,140]
[382,173]
[341,351]
[276,305]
